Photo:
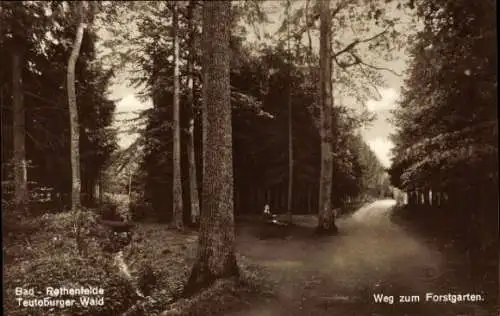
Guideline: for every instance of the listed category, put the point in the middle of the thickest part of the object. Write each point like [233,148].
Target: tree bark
[307,200]
[176,171]
[100,189]
[290,139]
[19,133]
[425,197]
[216,249]
[73,115]
[95,189]
[98,181]
[193,185]
[326,218]
[129,193]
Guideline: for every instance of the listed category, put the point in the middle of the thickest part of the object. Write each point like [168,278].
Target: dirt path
[341,275]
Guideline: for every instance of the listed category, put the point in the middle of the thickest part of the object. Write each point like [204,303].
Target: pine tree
[216,249]
[177,219]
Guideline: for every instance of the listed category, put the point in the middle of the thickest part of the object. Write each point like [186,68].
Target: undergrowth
[41,252]
[227,295]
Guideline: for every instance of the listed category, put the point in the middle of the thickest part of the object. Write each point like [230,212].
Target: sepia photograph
[249,158]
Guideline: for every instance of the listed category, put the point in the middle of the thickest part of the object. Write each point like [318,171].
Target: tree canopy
[447,120]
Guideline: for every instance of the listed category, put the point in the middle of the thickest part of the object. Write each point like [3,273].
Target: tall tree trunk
[100,187]
[204,124]
[216,249]
[73,115]
[326,217]
[75,128]
[96,190]
[193,186]
[129,193]
[309,200]
[98,181]
[290,139]
[425,197]
[19,130]
[177,182]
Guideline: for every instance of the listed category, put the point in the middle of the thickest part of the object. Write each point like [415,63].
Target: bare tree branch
[356,42]
[41,98]
[377,90]
[359,61]
[38,144]
[345,65]
[381,68]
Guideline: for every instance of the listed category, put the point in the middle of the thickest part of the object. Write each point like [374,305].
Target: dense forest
[263,81]
[235,125]
[271,88]
[446,145]
[35,46]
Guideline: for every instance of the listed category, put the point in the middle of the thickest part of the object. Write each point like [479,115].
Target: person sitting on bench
[267,215]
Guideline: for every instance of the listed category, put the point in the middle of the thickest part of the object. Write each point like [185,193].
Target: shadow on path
[341,275]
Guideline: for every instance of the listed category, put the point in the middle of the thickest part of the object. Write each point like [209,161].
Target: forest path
[340,275]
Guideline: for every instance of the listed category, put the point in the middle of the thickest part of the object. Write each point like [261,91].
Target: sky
[376,134]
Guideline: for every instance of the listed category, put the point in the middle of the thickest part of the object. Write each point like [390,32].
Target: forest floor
[373,255]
